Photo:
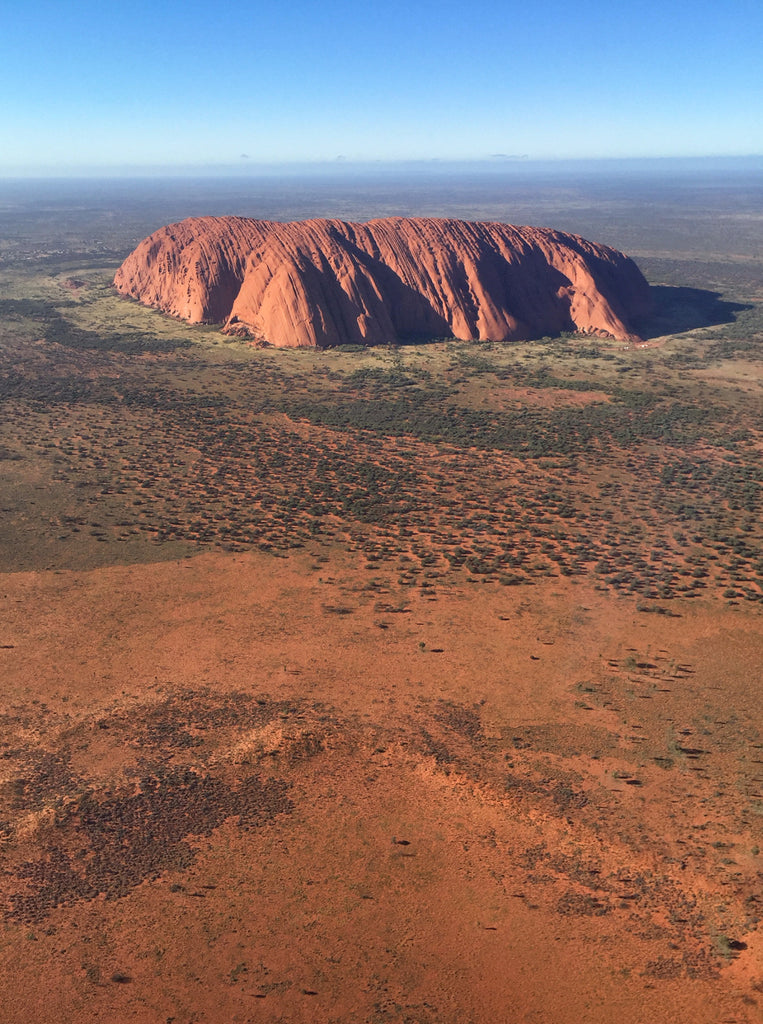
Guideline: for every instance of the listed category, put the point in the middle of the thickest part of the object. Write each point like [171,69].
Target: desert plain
[412,683]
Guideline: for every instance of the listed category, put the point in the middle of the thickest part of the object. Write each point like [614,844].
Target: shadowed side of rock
[327,282]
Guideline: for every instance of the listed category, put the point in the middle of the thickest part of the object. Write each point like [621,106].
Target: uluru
[318,283]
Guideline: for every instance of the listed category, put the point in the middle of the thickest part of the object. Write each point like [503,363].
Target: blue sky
[92,85]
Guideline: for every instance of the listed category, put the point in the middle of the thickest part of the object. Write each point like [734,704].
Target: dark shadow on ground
[679,309]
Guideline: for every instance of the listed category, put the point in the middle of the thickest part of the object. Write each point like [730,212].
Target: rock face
[327,282]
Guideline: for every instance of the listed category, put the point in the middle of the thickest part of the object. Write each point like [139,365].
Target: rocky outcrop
[327,282]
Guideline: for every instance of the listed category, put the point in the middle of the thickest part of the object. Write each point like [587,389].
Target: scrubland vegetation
[571,456]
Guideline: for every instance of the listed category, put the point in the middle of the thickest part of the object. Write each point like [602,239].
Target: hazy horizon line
[491,164]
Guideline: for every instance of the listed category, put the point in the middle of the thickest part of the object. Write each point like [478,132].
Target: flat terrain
[415,684]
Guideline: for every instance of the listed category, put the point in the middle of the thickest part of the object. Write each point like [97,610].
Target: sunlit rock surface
[327,282]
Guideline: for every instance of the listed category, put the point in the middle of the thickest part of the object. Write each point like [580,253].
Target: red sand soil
[247,790]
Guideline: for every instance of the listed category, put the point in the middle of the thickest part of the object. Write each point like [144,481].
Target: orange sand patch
[507,398]
[462,823]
